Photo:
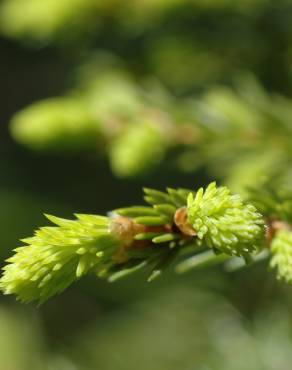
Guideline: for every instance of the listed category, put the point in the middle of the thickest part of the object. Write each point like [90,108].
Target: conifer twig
[211,225]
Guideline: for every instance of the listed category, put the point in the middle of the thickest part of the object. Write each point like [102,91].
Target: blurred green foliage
[191,329]
[169,93]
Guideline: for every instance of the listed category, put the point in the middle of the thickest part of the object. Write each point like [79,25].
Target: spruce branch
[174,222]
[223,222]
[56,256]
[281,249]
[138,127]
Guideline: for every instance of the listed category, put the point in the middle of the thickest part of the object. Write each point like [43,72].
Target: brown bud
[275,225]
[125,229]
[181,221]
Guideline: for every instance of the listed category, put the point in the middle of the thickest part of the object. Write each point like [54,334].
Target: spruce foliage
[174,223]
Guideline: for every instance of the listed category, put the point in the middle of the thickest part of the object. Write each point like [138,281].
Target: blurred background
[102,97]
